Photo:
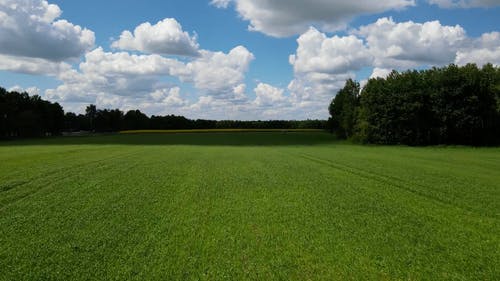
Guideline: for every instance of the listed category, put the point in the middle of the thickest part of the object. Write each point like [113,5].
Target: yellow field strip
[219,131]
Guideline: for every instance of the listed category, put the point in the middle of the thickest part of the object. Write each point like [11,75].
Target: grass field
[246,206]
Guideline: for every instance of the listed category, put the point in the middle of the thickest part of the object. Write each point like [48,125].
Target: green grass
[247,206]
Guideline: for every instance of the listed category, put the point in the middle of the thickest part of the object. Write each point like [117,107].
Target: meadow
[246,206]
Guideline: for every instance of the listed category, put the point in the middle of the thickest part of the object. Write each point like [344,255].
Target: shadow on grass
[201,139]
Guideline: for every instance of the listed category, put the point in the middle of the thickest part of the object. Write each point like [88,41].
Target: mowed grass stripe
[390,181]
[257,211]
[462,180]
[471,232]
[13,190]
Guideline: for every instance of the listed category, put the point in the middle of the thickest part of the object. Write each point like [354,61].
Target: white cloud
[311,93]
[209,107]
[115,74]
[321,66]
[464,3]
[29,29]
[32,65]
[318,53]
[267,95]
[220,3]
[380,72]
[409,44]
[485,49]
[169,97]
[111,64]
[479,57]
[239,91]
[30,90]
[165,37]
[218,73]
[281,18]
[121,79]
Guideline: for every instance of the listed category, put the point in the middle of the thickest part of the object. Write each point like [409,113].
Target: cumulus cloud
[218,73]
[165,37]
[30,29]
[485,49]
[210,107]
[110,64]
[270,103]
[281,18]
[30,90]
[409,44]
[479,57]
[380,72]
[318,53]
[310,92]
[321,65]
[119,74]
[32,65]
[125,80]
[169,97]
[121,80]
[464,3]
[267,95]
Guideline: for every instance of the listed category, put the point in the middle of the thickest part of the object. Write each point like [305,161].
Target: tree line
[106,120]
[25,116]
[447,105]
[22,115]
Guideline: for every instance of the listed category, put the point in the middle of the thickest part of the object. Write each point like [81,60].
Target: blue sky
[231,59]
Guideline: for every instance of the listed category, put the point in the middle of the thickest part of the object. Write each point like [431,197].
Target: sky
[231,59]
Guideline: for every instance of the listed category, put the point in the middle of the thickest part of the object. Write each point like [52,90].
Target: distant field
[252,206]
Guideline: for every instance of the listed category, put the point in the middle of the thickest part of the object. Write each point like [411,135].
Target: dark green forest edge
[448,105]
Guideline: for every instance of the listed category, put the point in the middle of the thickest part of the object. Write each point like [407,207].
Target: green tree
[344,109]
[135,120]
[448,105]
[90,113]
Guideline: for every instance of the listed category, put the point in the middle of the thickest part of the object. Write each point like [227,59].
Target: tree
[90,113]
[135,120]
[107,120]
[344,109]
[448,105]
[464,104]
[25,116]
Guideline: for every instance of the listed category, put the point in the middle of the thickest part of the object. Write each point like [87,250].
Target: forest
[447,105]
[24,116]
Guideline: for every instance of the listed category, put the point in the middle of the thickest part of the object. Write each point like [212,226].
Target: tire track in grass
[59,241]
[11,185]
[66,167]
[457,226]
[393,181]
[54,176]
